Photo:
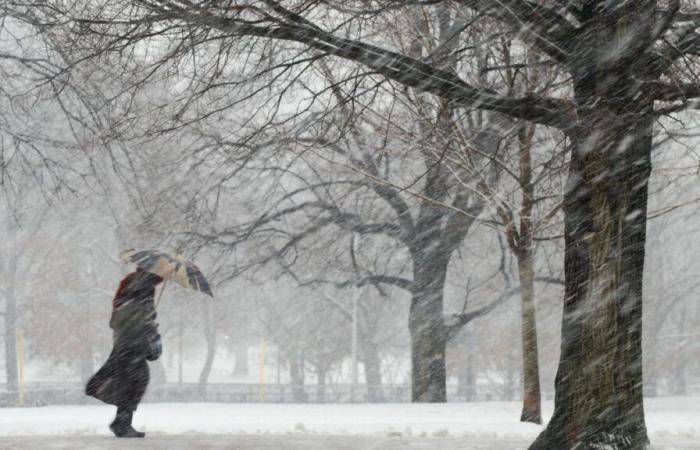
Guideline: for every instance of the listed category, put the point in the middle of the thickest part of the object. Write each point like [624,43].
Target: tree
[67,288]
[427,232]
[372,309]
[319,193]
[311,334]
[527,209]
[44,161]
[9,312]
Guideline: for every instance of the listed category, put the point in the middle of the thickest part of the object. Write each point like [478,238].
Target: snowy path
[286,442]
[258,442]
[674,424]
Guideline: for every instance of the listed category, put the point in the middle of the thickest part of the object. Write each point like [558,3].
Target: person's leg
[132,381]
[121,427]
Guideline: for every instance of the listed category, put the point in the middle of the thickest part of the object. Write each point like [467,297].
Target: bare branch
[668,92]
[457,321]
[397,67]
[547,29]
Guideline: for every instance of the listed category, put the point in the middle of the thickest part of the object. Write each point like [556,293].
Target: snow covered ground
[674,424]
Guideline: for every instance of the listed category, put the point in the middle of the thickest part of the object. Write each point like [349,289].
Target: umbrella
[170,267]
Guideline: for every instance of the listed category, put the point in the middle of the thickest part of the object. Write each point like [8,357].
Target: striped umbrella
[170,267]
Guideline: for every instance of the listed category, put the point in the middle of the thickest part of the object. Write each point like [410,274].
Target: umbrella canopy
[170,267]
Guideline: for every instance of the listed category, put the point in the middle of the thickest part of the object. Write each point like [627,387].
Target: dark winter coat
[122,380]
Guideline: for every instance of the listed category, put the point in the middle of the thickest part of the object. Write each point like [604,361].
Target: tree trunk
[466,370]
[598,387]
[428,332]
[531,371]
[11,373]
[428,373]
[296,377]
[321,386]
[240,365]
[466,379]
[373,371]
[10,316]
[210,335]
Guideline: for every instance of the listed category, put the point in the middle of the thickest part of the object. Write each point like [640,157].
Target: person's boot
[121,427]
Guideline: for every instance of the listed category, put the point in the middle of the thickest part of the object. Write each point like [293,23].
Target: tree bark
[521,243]
[598,387]
[428,332]
[531,374]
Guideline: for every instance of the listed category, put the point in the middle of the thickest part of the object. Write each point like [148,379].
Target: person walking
[123,379]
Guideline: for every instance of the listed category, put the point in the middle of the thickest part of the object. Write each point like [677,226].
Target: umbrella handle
[161,292]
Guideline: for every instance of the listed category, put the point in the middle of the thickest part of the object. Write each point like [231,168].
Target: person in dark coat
[122,380]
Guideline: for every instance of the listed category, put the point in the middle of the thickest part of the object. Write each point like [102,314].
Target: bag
[154,347]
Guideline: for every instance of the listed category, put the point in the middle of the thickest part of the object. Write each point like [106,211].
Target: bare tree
[426,205]
[310,333]
[530,207]
[373,308]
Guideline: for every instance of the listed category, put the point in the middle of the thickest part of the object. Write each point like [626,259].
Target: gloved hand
[154,347]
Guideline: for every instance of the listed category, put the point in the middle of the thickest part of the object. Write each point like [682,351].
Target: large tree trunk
[428,332]
[373,371]
[598,388]
[531,371]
